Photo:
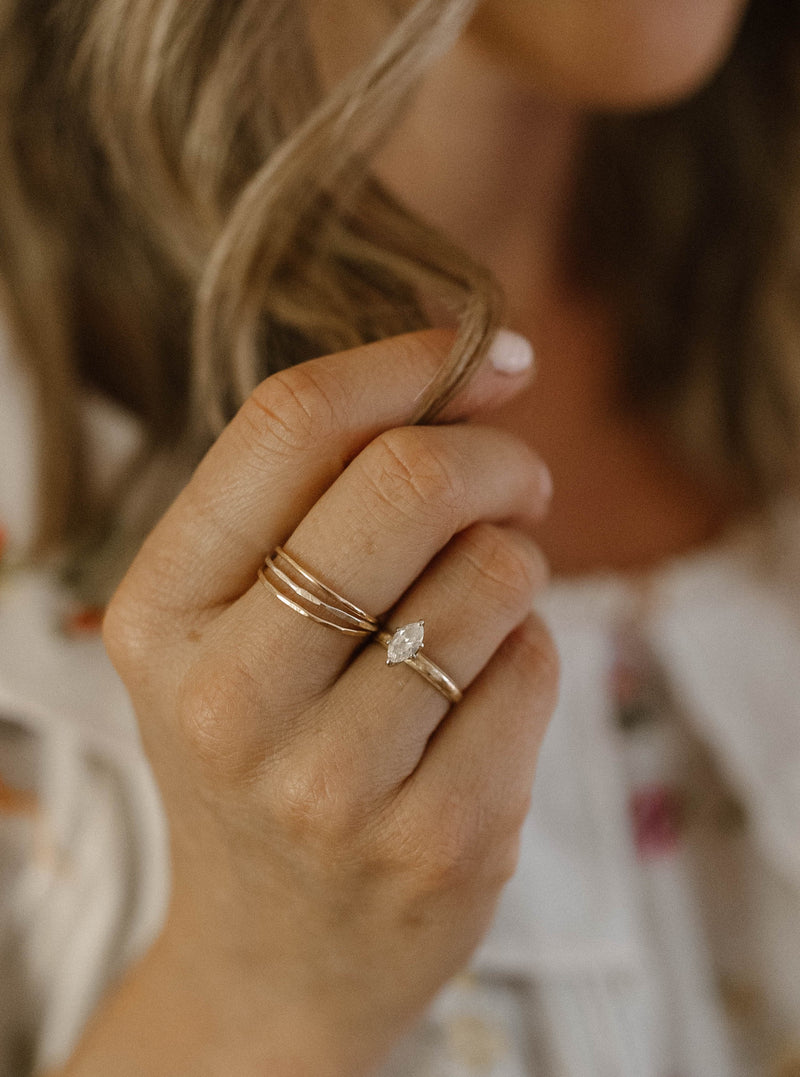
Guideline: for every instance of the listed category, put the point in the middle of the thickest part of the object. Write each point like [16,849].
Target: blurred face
[610,53]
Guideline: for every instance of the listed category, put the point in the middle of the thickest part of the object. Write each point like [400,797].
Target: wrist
[181,1010]
[253,1022]
[287,1002]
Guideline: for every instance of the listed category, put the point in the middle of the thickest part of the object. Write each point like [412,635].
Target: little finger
[476,774]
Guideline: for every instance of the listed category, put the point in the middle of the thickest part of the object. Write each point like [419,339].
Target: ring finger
[374,532]
[477,591]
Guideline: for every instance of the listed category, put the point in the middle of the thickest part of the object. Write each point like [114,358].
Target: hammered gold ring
[311,597]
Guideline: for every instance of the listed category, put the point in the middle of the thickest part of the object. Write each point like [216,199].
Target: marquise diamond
[405,643]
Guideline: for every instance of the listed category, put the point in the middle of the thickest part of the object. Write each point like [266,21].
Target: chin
[610,54]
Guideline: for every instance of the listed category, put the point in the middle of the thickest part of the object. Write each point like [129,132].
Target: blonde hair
[185,210]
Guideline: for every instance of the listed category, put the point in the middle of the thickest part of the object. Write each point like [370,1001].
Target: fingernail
[510,353]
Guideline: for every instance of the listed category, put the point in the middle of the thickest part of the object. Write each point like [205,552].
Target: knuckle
[456,853]
[311,804]
[124,633]
[202,701]
[303,797]
[406,472]
[447,867]
[149,600]
[473,844]
[209,702]
[506,570]
[476,845]
[291,410]
[542,661]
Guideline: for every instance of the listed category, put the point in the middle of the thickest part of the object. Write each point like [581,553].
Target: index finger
[286,445]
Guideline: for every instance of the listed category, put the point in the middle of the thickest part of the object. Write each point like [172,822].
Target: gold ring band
[350,631]
[326,607]
[401,649]
[329,608]
[338,600]
[366,624]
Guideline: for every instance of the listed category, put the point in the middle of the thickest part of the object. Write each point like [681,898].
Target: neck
[482,157]
[492,164]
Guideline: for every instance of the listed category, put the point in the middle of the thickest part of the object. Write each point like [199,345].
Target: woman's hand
[339,834]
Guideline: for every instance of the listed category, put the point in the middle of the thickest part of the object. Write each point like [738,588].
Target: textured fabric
[653,926]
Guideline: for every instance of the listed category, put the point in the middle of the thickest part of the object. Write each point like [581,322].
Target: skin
[487,153]
[339,837]
[334,860]
[609,53]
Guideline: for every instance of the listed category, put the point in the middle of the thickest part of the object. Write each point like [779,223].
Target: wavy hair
[184,211]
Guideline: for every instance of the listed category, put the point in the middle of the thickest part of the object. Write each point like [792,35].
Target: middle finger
[375,530]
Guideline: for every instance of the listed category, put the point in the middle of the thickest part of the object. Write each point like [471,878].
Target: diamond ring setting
[404,645]
[406,642]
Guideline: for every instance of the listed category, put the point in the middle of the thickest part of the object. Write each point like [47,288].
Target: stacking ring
[327,607]
[404,645]
[331,609]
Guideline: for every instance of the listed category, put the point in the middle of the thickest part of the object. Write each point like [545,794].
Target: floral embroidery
[82,621]
[641,696]
[657,815]
[16,801]
[635,680]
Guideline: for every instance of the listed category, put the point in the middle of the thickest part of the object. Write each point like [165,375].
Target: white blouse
[653,926]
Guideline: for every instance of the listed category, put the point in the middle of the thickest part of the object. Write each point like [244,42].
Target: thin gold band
[341,602]
[366,623]
[337,612]
[348,618]
[307,613]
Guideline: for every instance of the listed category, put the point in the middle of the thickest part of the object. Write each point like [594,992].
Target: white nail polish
[510,353]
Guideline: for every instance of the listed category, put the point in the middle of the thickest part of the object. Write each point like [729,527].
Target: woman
[194,213]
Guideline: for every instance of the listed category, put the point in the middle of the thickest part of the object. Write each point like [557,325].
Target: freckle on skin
[194,636]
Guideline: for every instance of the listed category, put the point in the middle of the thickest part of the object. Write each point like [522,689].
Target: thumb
[508,368]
